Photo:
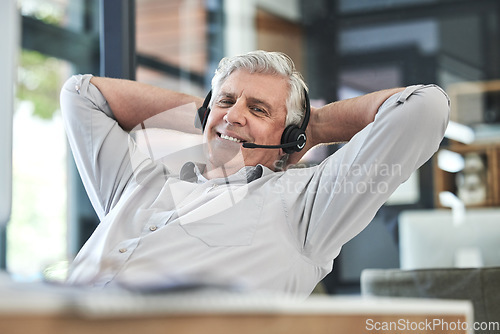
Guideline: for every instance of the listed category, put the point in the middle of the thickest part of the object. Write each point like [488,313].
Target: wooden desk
[82,312]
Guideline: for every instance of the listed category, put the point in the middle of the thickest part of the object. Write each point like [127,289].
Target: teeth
[223,136]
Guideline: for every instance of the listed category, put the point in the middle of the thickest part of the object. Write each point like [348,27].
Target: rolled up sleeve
[337,199]
[99,144]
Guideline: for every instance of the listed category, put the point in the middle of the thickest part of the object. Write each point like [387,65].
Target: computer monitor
[9,39]
[431,239]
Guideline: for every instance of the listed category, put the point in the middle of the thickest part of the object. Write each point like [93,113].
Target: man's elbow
[433,109]
[68,92]
[440,104]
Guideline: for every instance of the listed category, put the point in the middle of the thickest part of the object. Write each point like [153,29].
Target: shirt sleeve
[329,204]
[99,145]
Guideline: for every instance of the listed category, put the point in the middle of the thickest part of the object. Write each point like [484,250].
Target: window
[38,220]
[37,232]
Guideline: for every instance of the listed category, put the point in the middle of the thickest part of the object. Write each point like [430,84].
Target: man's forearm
[341,120]
[134,102]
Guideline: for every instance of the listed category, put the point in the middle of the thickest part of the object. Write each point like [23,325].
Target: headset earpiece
[297,135]
[293,134]
[203,112]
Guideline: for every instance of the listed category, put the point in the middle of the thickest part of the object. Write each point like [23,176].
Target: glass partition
[344,48]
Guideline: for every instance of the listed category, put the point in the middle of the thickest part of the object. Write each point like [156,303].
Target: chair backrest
[479,285]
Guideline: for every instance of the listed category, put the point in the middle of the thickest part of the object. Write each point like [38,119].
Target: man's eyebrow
[226,94]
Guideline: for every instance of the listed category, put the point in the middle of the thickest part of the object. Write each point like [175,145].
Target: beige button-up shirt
[257,229]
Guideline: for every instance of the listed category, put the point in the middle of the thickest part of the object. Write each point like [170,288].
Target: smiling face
[248,108]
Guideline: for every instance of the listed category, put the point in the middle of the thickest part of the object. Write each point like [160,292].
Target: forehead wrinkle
[229,91]
[253,100]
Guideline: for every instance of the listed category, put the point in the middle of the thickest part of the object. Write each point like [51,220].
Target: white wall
[9,40]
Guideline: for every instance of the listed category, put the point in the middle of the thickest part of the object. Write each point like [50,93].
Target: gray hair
[263,62]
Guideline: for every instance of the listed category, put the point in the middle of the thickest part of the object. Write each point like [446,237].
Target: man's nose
[237,114]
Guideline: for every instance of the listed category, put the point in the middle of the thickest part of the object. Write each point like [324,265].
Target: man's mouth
[236,140]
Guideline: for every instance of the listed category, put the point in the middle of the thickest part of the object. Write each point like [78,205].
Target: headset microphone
[293,138]
[298,143]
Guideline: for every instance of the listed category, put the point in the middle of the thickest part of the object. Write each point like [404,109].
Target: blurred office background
[344,48]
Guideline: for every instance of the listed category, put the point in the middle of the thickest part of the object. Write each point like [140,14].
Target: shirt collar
[193,172]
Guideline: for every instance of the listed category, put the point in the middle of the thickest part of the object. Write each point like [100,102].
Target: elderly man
[233,214]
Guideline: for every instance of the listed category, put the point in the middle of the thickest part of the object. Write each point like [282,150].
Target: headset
[293,138]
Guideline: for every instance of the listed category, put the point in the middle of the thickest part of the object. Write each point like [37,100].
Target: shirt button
[152,228]
[122,250]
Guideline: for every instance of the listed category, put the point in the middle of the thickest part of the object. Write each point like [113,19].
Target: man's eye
[258,110]
[225,103]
